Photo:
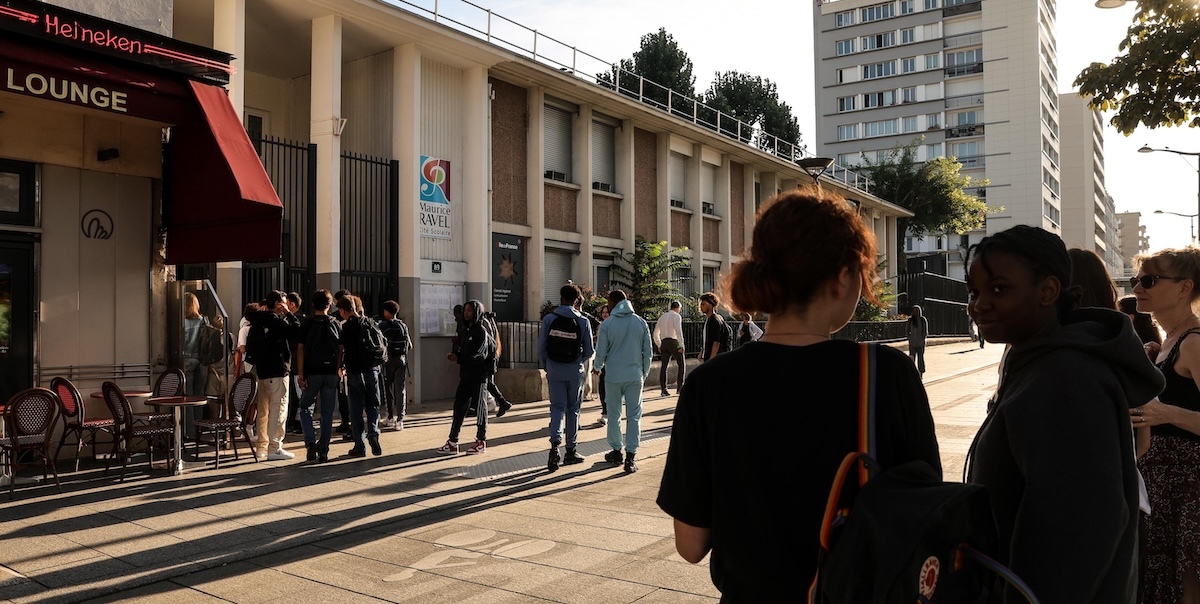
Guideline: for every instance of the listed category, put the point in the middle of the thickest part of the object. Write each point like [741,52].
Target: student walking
[565,347]
[624,352]
[473,351]
[918,331]
[668,341]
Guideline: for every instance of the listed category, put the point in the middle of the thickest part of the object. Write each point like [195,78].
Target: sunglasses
[1148,281]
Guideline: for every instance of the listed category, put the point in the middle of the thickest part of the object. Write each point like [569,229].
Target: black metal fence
[369,230]
[942,300]
[873,331]
[292,168]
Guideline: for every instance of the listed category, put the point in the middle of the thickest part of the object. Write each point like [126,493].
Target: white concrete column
[581,160]
[626,184]
[475,208]
[535,252]
[695,219]
[406,148]
[721,199]
[894,261]
[325,132]
[750,207]
[769,183]
[664,189]
[229,35]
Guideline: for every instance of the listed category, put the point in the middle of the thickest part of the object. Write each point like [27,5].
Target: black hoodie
[1056,455]
[475,346]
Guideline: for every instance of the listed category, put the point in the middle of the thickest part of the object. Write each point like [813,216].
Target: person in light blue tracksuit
[624,352]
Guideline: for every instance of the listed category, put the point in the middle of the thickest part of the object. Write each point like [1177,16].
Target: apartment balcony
[965,131]
[960,8]
[963,70]
[964,101]
[975,161]
[974,39]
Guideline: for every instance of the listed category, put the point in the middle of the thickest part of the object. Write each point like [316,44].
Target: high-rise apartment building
[1133,239]
[977,79]
[1089,221]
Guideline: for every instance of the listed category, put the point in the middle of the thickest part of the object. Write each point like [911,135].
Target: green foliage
[755,101]
[660,60]
[646,275]
[591,303]
[1155,82]
[933,191]
[865,310]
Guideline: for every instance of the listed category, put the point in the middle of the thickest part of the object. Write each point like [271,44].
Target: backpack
[321,345]
[907,536]
[727,336]
[397,339]
[257,347]
[211,344]
[564,341]
[372,346]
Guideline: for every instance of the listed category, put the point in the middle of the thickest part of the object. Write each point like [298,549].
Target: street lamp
[815,166]
[1148,149]
[1191,221]
[1110,3]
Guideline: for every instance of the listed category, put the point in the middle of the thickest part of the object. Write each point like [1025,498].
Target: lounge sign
[82,31]
[58,88]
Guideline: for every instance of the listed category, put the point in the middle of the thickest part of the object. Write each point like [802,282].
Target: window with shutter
[558,271]
[604,165]
[678,180]
[557,144]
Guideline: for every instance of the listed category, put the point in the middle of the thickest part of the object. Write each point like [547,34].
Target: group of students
[1080,407]
[338,358]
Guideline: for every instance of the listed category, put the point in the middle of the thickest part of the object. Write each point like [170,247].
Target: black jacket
[475,346]
[273,358]
[1056,455]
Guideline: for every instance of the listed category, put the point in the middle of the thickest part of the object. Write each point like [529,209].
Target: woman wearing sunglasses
[810,260]
[1167,429]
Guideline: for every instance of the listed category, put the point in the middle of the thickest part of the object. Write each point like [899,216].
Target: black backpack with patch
[321,345]
[211,344]
[564,339]
[906,536]
[396,333]
[372,346]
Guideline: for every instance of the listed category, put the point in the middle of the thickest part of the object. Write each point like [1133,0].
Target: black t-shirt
[762,491]
[714,331]
[306,327]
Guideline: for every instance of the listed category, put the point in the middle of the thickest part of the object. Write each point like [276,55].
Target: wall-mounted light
[341,125]
[108,154]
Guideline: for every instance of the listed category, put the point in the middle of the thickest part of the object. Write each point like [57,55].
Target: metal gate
[292,168]
[370,231]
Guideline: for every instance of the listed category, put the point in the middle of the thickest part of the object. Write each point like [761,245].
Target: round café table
[176,405]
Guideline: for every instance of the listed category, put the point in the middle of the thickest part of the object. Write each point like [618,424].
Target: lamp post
[815,167]
[1191,221]
[1195,154]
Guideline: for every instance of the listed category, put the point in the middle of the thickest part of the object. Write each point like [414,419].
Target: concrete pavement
[407,526]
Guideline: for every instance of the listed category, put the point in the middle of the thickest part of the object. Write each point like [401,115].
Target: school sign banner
[435,198]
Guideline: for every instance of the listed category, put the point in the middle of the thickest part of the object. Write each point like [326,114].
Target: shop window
[18,192]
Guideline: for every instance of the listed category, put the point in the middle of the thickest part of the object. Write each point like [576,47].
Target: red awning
[220,205]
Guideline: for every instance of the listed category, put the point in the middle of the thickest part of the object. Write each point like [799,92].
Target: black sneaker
[358,452]
[553,462]
[571,458]
[375,448]
[502,407]
[348,437]
[342,429]
[630,466]
[614,457]
[312,452]
[664,392]
[322,457]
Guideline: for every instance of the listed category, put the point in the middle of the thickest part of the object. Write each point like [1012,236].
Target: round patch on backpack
[929,576]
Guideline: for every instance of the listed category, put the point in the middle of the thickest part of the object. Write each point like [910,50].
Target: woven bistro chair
[241,395]
[128,432]
[75,421]
[169,383]
[29,420]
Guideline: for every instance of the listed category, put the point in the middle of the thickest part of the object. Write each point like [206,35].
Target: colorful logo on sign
[435,179]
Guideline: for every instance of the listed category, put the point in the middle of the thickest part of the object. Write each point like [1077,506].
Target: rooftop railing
[484,24]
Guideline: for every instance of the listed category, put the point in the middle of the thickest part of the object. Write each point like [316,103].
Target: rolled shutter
[558,143]
[604,165]
[678,179]
[558,271]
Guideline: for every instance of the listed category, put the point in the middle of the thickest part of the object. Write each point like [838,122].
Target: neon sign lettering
[79,33]
[36,84]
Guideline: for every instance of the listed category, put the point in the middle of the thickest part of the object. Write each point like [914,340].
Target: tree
[1157,81]
[755,101]
[646,275]
[661,61]
[935,191]
[866,310]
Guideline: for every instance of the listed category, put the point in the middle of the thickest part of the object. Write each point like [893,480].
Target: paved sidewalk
[407,526]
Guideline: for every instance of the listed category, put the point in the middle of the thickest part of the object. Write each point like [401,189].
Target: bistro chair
[241,395]
[127,433]
[75,421]
[29,420]
[169,383]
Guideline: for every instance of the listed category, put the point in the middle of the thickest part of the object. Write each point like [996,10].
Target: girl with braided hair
[1056,450]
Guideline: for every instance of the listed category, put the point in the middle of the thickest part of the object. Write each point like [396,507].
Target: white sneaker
[603,420]
[281,455]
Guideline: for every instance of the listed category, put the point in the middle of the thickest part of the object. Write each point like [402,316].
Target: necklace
[1174,330]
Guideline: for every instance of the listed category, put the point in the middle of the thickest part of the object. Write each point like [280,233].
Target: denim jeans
[565,398]
[631,392]
[325,387]
[364,397]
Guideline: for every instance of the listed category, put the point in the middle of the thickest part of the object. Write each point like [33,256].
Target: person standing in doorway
[918,330]
[668,341]
[624,352]
[716,332]
[565,347]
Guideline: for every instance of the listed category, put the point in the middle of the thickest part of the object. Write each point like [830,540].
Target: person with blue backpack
[564,347]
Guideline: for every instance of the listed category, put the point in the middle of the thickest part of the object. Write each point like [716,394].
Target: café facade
[120,156]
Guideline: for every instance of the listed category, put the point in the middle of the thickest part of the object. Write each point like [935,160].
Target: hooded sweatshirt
[1056,455]
[623,350]
[475,346]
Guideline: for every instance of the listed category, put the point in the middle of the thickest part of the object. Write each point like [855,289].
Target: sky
[773,39]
